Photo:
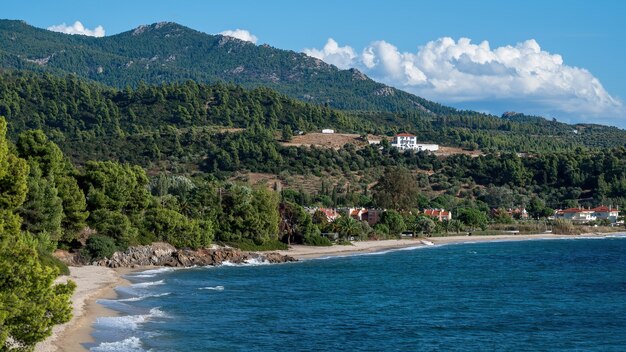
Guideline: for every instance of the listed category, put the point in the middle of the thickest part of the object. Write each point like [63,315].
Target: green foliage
[115,187]
[473,218]
[396,189]
[250,245]
[564,227]
[43,209]
[296,224]
[172,227]
[115,225]
[425,225]
[347,227]
[248,213]
[30,302]
[317,240]
[100,246]
[394,222]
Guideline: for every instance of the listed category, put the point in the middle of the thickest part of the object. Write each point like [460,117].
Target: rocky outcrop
[163,254]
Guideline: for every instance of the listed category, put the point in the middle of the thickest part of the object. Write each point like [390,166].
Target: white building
[406,141]
[328,131]
[606,213]
[576,214]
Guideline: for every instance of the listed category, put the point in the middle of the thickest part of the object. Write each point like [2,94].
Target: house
[439,214]
[575,214]
[371,216]
[606,213]
[331,214]
[328,131]
[407,141]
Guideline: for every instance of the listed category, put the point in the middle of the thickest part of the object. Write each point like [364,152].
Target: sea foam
[213,288]
[131,344]
[140,298]
[126,322]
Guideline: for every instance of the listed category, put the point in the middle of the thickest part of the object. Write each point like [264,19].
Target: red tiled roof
[405,135]
[603,209]
[436,212]
[574,210]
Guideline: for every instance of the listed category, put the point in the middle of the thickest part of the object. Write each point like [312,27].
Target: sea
[539,295]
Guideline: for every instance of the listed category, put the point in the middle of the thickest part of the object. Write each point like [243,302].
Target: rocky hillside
[168,52]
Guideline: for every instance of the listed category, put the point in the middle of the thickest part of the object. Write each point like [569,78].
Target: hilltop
[169,52]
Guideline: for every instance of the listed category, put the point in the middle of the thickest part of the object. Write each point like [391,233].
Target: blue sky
[556,58]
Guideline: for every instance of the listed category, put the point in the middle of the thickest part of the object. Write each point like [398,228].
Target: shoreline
[96,282]
[93,283]
[302,252]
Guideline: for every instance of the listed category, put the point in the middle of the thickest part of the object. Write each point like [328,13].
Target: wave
[126,322]
[140,298]
[213,288]
[147,284]
[152,272]
[247,262]
[131,344]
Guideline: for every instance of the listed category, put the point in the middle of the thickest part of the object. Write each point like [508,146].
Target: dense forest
[168,52]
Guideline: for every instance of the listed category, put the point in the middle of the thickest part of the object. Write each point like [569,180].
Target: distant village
[406,141]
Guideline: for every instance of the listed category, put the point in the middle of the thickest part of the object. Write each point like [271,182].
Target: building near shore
[438,214]
[407,141]
[582,215]
[579,215]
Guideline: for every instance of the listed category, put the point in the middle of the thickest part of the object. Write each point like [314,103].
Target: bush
[250,245]
[563,227]
[115,225]
[99,246]
[47,259]
[176,229]
[317,240]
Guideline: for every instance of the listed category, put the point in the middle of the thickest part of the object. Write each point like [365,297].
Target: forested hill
[168,52]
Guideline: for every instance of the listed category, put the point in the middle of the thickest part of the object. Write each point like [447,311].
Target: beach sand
[310,252]
[94,283]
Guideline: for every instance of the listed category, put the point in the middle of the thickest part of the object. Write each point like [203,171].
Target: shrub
[99,246]
[250,245]
[317,240]
[563,227]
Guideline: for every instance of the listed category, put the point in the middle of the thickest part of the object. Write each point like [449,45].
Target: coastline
[96,282]
[302,252]
[92,284]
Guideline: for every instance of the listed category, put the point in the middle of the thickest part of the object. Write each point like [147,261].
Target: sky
[558,59]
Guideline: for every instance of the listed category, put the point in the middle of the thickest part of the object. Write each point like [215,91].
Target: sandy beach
[94,283]
[308,252]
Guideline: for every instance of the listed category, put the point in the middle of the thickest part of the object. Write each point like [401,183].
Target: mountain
[169,52]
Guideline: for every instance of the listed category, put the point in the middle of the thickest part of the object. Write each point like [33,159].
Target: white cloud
[332,53]
[452,71]
[241,34]
[78,28]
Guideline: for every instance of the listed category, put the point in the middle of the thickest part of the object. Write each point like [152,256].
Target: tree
[30,303]
[347,227]
[286,133]
[248,213]
[456,225]
[473,218]
[115,186]
[394,221]
[43,209]
[174,228]
[426,225]
[396,189]
[295,224]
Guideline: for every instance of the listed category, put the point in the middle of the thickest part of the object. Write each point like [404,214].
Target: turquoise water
[547,295]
